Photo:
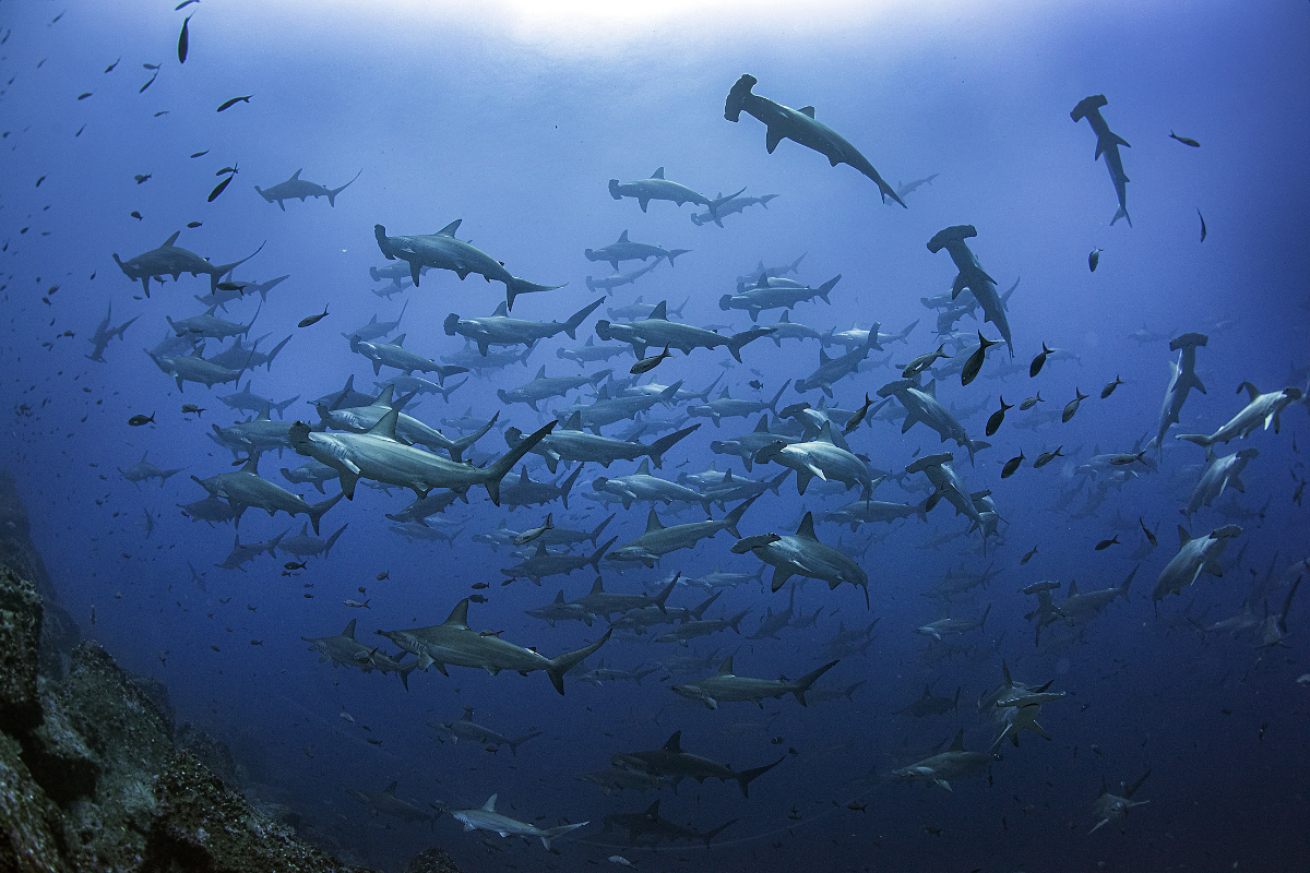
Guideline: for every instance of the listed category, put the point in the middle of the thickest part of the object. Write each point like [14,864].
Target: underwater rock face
[20,636]
[431,861]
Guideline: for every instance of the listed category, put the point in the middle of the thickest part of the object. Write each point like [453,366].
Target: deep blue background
[514,120]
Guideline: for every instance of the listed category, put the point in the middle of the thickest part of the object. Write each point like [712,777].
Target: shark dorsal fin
[644,469]
[559,598]
[674,743]
[399,341]
[523,475]
[725,669]
[263,413]
[727,478]
[1073,588]
[459,616]
[390,789]
[450,229]
[927,692]
[806,530]
[172,239]
[658,174]
[598,587]
[385,396]
[823,357]
[1183,536]
[295,176]
[653,522]
[574,422]
[468,714]
[763,426]
[386,426]
[350,630]
[502,310]
[807,111]
[541,374]
[958,744]
[1005,673]
[786,316]
[490,805]
[825,433]
[541,549]
[653,811]
[724,394]
[623,237]
[252,464]
[591,341]
[660,312]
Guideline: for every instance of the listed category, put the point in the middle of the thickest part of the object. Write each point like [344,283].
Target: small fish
[1028,557]
[857,807]
[1030,402]
[383,575]
[141,177]
[184,4]
[619,859]
[192,409]
[193,224]
[1185,140]
[1110,386]
[375,742]
[477,598]
[161,112]
[1011,465]
[294,565]
[1124,459]
[923,362]
[1202,217]
[311,319]
[936,832]
[143,88]
[39,181]
[228,104]
[357,604]
[998,416]
[230,286]
[529,535]
[79,131]
[256,642]
[1071,408]
[1094,258]
[110,68]
[231,169]
[183,39]
[1150,537]
[478,586]
[1105,544]
[1046,457]
[84,95]
[218,189]
[200,154]
[136,215]
[650,363]
[1038,362]
[138,420]
[756,384]
[858,417]
[975,362]
[151,66]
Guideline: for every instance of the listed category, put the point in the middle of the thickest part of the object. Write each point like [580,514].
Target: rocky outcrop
[94,776]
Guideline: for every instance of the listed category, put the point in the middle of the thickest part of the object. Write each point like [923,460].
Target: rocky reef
[94,775]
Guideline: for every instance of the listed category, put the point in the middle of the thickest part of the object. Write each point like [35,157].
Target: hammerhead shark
[799,125]
[298,189]
[1107,143]
[173,260]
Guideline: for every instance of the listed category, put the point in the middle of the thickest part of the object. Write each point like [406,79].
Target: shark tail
[458,447]
[568,486]
[746,777]
[506,462]
[551,833]
[514,744]
[327,548]
[224,269]
[403,672]
[316,511]
[773,404]
[803,684]
[1121,212]
[332,193]
[1200,439]
[516,286]
[594,560]
[595,535]
[731,519]
[738,341]
[571,326]
[663,444]
[828,286]
[268,365]
[561,664]
[674,253]
[718,830]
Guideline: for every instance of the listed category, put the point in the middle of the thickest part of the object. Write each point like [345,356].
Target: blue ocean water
[513,119]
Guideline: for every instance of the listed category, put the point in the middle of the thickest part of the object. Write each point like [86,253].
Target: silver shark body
[300,189]
[485,818]
[1195,556]
[727,687]
[173,260]
[672,762]
[499,329]
[657,331]
[803,555]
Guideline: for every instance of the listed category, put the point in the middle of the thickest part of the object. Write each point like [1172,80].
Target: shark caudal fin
[674,253]
[514,744]
[594,536]
[458,447]
[746,777]
[803,684]
[561,664]
[506,462]
[594,560]
[316,511]
[333,192]
[571,326]
[663,444]
[551,833]
[223,269]
[732,518]
[1201,439]
[516,286]
[738,341]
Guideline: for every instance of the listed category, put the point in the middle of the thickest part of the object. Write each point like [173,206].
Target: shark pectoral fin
[780,577]
[772,138]
[943,783]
